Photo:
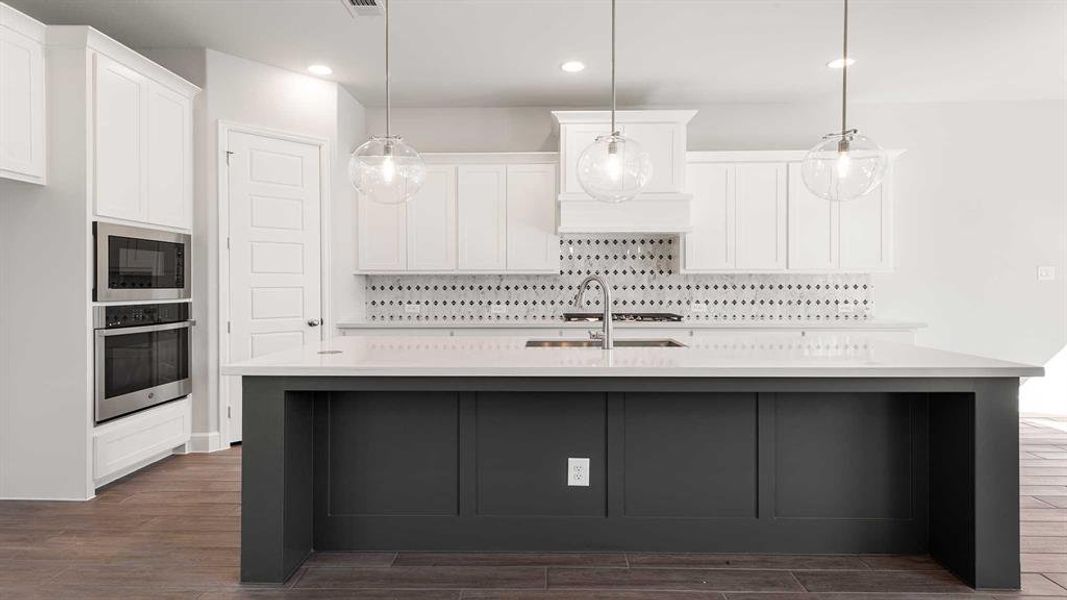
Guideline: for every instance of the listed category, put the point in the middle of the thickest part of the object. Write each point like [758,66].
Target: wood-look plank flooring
[172,532]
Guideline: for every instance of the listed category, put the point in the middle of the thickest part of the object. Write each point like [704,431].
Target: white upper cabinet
[739,216]
[853,236]
[663,206]
[119,124]
[760,216]
[752,213]
[813,246]
[22,97]
[533,246]
[142,131]
[431,222]
[170,157]
[483,217]
[709,246]
[382,232]
[475,213]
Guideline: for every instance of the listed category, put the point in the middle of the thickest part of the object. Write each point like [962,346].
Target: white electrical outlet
[498,309]
[412,309]
[846,308]
[698,308]
[578,472]
[1046,273]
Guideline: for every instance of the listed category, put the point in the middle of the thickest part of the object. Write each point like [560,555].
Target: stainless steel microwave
[139,264]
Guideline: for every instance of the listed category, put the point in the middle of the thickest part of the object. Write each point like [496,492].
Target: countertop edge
[712,325]
[676,373]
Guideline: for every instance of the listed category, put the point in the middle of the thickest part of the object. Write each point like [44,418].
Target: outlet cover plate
[1046,273]
[578,472]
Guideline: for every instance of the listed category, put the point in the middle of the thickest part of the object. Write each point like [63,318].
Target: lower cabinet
[129,443]
[467,218]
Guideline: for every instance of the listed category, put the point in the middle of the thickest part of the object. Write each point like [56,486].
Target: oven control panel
[139,315]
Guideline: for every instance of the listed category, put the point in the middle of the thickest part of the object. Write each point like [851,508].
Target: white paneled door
[274,255]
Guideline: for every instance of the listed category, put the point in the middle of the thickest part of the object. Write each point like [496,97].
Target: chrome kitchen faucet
[607,337]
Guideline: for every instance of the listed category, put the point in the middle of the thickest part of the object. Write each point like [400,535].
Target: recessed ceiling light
[573,66]
[840,63]
[319,70]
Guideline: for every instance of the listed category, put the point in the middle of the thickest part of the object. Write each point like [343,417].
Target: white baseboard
[206,442]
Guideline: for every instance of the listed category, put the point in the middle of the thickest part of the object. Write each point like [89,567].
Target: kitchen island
[736,443]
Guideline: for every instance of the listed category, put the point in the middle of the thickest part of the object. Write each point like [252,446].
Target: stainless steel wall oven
[142,356]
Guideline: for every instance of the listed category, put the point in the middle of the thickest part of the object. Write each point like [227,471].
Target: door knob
[314,322]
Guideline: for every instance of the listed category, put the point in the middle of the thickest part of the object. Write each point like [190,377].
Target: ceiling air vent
[364,8]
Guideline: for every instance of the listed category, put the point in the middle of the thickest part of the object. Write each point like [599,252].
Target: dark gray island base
[808,465]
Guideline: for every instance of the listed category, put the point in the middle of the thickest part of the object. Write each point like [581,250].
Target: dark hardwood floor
[171,532]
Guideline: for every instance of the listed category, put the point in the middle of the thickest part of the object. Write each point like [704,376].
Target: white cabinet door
[532,243]
[760,216]
[709,246]
[169,158]
[382,236]
[431,222]
[813,226]
[865,228]
[120,100]
[22,107]
[838,236]
[666,151]
[483,218]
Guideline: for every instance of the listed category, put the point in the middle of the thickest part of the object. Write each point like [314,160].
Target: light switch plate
[578,472]
[1046,273]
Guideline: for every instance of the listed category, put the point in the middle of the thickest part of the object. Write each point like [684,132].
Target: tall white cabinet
[123,125]
[142,145]
[476,213]
[22,97]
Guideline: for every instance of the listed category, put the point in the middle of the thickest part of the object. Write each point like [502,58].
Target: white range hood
[664,206]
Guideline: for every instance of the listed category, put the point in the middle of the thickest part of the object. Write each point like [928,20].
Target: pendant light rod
[844,74]
[613,67]
[385,4]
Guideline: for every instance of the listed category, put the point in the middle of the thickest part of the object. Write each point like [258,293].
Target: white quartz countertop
[725,355]
[865,325]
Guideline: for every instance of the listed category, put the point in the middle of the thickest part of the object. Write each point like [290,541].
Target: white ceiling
[671,52]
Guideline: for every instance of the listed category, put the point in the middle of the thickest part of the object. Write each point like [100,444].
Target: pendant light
[385,169]
[846,165]
[614,168]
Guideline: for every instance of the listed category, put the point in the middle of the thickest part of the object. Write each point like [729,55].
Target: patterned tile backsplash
[643,273]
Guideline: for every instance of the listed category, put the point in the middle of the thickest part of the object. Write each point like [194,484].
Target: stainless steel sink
[597,343]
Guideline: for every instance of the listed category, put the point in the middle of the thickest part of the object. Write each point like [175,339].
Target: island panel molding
[644,273]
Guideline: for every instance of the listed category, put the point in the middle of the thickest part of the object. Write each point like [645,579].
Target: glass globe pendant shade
[386,170]
[614,169]
[844,166]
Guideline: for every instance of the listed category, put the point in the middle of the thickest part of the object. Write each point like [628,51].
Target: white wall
[246,92]
[981,200]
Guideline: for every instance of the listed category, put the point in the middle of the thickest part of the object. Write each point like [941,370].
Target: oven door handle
[144,329]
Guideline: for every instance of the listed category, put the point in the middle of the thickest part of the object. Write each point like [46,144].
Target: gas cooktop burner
[624,316]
